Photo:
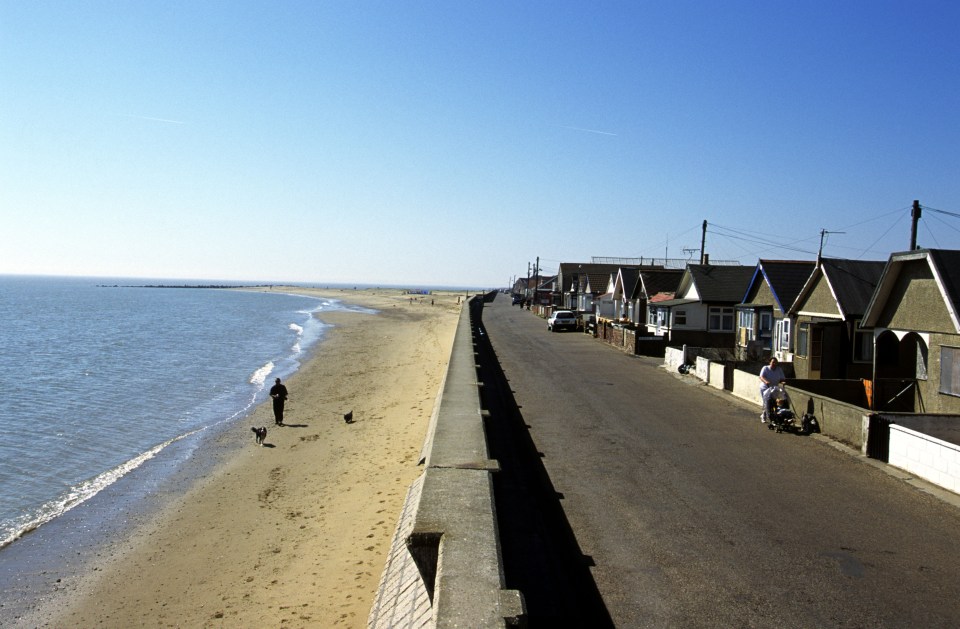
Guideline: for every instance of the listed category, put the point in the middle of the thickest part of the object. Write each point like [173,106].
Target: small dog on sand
[261,434]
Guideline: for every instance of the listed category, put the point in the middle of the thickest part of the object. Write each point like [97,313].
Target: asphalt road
[633,497]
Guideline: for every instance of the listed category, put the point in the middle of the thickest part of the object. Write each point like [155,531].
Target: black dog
[261,434]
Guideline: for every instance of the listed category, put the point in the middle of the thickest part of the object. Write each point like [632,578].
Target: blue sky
[451,143]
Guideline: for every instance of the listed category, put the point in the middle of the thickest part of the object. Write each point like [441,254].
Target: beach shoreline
[296,532]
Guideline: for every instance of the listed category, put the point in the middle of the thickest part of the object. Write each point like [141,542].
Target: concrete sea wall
[444,567]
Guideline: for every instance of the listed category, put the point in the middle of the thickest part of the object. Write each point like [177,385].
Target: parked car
[562,320]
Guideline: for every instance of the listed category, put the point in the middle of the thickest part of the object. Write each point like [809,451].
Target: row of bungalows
[871,348]
[890,326]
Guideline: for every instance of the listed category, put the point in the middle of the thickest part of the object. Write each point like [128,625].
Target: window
[766,323]
[783,335]
[950,370]
[803,333]
[721,319]
[745,333]
[680,317]
[862,344]
[651,315]
[766,329]
[745,320]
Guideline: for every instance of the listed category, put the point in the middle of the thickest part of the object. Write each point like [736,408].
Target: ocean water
[104,381]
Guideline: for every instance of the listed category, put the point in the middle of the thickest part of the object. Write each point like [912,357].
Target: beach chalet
[624,283]
[596,290]
[763,326]
[545,291]
[652,285]
[627,292]
[829,341]
[702,312]
[915,317]
[579,284]
[603,306]
[525,287]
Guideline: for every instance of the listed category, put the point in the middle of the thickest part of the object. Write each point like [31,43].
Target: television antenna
[823,233]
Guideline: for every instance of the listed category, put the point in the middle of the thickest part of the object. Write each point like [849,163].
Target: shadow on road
[541,556]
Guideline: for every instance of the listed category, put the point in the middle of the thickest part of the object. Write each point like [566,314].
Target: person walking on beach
[770,378]
[279,394]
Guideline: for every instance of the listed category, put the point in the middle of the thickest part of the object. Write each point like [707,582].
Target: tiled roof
[570,270]
[657,281]
[947,262]
[599,281]
[786,278]
[853,282]
[629,276]
[674,302]
[721,284]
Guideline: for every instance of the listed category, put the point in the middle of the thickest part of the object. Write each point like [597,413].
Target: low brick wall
[929,458]
[628,341]
[943,427]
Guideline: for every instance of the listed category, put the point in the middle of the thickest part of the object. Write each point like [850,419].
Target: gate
[878,438]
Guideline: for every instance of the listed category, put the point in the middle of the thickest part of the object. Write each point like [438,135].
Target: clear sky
[453,142]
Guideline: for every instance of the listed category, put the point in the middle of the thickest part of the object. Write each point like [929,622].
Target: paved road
[632,497]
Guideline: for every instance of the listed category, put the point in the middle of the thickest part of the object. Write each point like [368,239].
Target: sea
[112,388]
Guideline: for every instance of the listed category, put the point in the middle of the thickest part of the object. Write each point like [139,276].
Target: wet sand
[294,533]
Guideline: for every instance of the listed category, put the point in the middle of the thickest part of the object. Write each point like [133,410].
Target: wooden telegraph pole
[915,218]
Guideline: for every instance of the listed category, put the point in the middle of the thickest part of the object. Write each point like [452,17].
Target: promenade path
[632,497]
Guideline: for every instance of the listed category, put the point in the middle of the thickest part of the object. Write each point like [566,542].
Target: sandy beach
[294,533]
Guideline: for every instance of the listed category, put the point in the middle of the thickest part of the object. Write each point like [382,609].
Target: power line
[762,236]
[932,235]
[941,211]
[882,236]
[879,216]
[944,223]
[758,241]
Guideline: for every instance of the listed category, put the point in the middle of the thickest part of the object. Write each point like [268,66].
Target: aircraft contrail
[153,119]
[587,130]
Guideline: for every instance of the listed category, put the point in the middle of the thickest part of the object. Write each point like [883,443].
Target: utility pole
[526,287]
[536,279]
[703,243]
[915,218]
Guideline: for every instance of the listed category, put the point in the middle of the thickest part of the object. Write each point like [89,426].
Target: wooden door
[816,351]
